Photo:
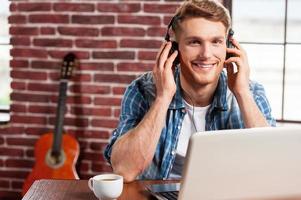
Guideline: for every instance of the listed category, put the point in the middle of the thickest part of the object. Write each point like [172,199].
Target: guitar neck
[59,122]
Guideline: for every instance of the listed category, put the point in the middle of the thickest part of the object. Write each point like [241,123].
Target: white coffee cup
[106,186]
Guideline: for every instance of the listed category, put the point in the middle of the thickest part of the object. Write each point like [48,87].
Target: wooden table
[78,190]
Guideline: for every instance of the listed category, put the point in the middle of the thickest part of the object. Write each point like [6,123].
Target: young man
[163,108]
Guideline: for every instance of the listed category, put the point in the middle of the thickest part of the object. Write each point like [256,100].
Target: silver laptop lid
[243,164]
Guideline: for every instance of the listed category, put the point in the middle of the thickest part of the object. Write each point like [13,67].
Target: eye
[194,42]
[217,42]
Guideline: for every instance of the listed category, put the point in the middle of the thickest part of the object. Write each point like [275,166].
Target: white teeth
[204,66]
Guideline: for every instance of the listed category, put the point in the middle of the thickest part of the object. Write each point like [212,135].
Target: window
[4,62]
[270,30]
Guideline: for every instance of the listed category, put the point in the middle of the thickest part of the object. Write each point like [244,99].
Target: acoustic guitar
[56,154]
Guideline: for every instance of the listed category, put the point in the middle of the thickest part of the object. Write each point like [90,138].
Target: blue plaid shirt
[223,113]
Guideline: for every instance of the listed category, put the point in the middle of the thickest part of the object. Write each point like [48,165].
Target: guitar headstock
[69,63]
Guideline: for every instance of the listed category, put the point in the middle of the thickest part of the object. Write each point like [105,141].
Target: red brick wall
[115,41]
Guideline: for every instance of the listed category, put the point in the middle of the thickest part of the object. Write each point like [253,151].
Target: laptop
[257,163]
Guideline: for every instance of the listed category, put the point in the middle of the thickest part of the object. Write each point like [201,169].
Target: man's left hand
[238,82]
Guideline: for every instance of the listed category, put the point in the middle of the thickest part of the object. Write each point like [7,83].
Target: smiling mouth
[203,65]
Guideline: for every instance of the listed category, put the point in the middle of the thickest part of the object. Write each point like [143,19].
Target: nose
[205,51]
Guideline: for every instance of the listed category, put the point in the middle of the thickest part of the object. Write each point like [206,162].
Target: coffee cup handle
[90,184]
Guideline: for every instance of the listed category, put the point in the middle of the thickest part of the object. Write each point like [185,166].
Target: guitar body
[46,168]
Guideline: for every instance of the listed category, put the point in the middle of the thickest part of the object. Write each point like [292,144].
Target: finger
[234,51]
[236,44]
[229,68]
[161,49]
[164,55]
[237,60]
[169,61]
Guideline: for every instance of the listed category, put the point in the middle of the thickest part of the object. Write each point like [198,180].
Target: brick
[32,7]
[13,174]
[17,108]
[114,78]
[135,19]
[20,30]
[98,146]
[133,43]
[60,54]
[119,7]
[92,134]
[21,141]
[1,142]
[95,111]
[128,55]
[28,75]
[19,163]
[78,31]
[17,85]
[44,109]
[118,90]
[30,153]
[13,130]
[43,87]
[134,67]
[41,64]
[166,19]
[101,167]
[99,66]
[9,151]
[84,166]
[160,8]
[80,77]
[17,185]
[18,63]
[74,7]
[48,18]
[47,31]
[106,123]
[17,19]
[46,42]
[22,41]
[28,119]
[156,31]
[147,55]
[116,112]
[10,195]
[92,156]
[79,100]
[12,7]
[24,97]
[68,121]
[122,31]
[1,163]
[92,19]
[107,101]
[4,184]
[27,53]
[87,43]
[36,131]
[90,89]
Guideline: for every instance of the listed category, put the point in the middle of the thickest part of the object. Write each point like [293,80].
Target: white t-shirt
[194,121]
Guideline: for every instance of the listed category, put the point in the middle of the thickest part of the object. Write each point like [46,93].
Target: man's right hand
[163,73]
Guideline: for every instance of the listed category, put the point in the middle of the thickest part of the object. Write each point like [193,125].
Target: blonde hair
[208,9]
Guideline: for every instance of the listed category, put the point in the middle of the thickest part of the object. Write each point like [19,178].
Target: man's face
[202,45]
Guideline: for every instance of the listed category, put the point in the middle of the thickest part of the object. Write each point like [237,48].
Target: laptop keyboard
[170,195]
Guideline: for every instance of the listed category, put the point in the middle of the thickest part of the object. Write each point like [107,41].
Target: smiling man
[163,108]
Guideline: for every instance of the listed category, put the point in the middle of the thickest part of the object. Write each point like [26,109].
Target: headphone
[175,46]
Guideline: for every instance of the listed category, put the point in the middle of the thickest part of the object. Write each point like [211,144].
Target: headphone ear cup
[175,47]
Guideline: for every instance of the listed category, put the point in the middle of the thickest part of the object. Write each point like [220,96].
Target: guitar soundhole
[55,160]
